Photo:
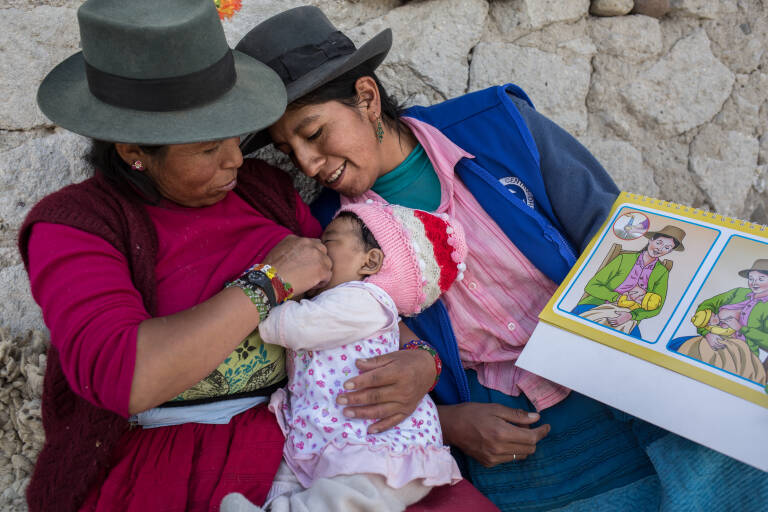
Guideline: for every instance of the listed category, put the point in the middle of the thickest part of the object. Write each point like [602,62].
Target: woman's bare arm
[175,352]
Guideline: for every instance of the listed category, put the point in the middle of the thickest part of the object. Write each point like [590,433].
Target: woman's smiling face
[333,143]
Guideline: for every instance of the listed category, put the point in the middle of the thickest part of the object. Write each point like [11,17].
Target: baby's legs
[362,492]
[285,482]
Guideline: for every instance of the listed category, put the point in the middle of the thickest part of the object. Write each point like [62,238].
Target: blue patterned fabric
[587,452]
[598,459]
[641,495]
[696,479]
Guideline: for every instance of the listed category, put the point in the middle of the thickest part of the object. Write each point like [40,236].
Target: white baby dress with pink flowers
[324,336]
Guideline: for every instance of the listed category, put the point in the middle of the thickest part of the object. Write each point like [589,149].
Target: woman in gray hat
[533,196]
[733,327]
[129,267]
[632,286]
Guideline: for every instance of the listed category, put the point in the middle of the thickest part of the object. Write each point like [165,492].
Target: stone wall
[675,107]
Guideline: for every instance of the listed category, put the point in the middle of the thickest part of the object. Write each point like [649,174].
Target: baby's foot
[236,502]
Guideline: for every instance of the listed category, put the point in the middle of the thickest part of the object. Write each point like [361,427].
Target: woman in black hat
[532,195]
[129,267]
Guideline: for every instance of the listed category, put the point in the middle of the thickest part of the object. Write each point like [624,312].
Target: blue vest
[505,178]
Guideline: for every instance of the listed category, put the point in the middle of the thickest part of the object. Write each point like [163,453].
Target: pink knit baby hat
[423,252]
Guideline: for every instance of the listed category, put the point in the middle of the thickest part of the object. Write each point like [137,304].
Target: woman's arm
[112,352]
[175,352]
[599,287]
[207,333]
[389,387]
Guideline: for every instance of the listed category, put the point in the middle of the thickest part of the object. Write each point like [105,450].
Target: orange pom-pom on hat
[424,253]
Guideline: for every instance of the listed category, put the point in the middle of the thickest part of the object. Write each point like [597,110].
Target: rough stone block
[41,166]
[740,39]
[652,8]
[32,42]
[725,163]
[343,14]
[558,87]
[611,7]
[518,17]
[433,59]
[698,8]
[625,165]
[631,38]
[684,89]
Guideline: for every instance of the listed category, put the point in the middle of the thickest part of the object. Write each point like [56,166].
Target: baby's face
[727,314]
[345,248]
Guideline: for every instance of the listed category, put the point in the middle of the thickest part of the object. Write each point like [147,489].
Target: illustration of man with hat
[633,285]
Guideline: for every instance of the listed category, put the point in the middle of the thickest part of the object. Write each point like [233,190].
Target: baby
[387,260]
[724,324]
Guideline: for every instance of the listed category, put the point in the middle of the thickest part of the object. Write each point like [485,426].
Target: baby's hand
[636,294]
[715,341]
[731,322]
[620,319]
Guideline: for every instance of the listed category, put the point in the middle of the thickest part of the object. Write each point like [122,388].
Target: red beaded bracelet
[283,289]
[423,345]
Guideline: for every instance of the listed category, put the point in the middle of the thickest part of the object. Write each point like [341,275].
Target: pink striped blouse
[492,322]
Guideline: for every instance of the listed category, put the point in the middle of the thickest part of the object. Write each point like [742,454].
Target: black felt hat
[155,72]
[307,51]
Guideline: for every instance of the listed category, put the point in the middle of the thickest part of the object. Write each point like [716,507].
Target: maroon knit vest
[80,437]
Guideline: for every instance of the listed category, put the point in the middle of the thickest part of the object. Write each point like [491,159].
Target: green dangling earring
[379,130]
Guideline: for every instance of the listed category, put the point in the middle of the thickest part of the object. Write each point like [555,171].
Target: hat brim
[745,273]
[374,52]
[649,235]
[257,100]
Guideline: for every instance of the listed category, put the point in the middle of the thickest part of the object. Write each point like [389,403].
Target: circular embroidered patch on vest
[518,189]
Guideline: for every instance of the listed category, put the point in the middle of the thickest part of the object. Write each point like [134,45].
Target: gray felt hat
[307,51]
[759,265]
[159,72]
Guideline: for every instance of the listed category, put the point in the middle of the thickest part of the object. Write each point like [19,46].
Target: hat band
[164,94]
[294,64]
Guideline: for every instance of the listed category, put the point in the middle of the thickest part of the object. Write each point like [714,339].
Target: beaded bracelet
[283,289]
[265,291]
[423,345]
[258,296]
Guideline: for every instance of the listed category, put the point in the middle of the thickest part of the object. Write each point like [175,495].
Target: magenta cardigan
[85,389]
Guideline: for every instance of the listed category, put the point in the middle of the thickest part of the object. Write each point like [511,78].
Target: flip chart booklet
[665,316]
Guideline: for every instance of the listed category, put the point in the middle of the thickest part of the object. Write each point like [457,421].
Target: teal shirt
[413,183]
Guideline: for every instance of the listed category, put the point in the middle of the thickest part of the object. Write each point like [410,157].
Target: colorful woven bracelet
[257,295]
[283,289]
[423,345]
